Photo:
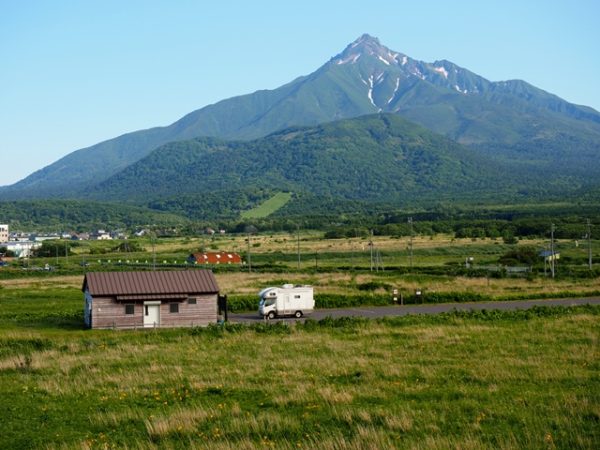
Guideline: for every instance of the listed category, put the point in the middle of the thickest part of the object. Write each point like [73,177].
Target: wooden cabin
[150,299]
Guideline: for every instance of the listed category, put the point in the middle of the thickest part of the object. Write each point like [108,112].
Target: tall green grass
[524,379]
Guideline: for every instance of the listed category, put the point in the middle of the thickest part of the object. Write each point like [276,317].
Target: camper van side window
[296,296]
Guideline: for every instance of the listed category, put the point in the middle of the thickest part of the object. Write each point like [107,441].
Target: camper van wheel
[271,315]
[298,314]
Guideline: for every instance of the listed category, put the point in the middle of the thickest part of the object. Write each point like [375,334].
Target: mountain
[377,158]
[508,120]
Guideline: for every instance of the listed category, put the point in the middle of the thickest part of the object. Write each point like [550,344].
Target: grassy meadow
[524,379]
[527,379]
[268,207]
[333,266]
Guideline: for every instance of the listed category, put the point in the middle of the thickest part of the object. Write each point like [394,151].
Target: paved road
[382,311]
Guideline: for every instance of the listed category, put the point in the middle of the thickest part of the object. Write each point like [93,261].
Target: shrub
[239,303]
[373,286]
[524,255]
[128,247]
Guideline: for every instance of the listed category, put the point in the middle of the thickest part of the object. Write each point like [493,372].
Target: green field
[268,207]
[335,267]
[470,381]
[480,380]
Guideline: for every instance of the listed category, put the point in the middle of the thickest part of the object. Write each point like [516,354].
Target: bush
[373,286]
[54,248]
[447,297]
[521,255]
[128,247]
[5,252]
[240,303]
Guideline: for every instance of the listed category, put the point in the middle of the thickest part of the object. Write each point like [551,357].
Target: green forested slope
[509,120]
[378,158]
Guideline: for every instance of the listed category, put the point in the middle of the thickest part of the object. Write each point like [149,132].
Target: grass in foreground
[481,380]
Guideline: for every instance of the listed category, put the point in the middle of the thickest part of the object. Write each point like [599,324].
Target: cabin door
[151,315]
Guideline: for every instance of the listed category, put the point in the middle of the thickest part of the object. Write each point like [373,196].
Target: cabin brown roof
[160,284]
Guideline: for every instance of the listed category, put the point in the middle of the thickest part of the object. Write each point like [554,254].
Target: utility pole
[249,257]
[552,255]
[410,242]
[371,245]
[153,252]
[378,260]
[298,246]
[589,236]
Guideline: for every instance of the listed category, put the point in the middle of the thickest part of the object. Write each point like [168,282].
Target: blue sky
[74,73]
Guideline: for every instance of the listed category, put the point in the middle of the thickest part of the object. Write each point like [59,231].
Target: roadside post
[395,295]
[418,296]
[222,306]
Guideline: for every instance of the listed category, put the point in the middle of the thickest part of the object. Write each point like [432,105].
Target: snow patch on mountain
[395,90]
[383,60]
[370,93]
[349,59]
[441,70]
[416,72]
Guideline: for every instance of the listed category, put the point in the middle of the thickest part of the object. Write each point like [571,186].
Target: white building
[3,233]
[101,235]
[22,249]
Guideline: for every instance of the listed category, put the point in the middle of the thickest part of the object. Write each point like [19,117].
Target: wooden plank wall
[107,313]
[202,313]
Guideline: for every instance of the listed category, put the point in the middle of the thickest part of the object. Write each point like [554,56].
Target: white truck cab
[287,300]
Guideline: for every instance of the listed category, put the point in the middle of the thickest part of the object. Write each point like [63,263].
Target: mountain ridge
[511,117]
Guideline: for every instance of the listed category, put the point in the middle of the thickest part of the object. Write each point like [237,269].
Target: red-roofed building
[214,258]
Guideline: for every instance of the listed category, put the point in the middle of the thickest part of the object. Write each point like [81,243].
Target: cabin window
[296,296]
[130,309]
[173,307]
[191,301]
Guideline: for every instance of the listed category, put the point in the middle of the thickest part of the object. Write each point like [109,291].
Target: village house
[214,258]
[80,236]
[43,237]
[100,235]
[150,299]
[3,233]
[549,256]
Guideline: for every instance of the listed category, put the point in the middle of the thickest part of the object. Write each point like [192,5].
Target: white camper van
[287,300]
